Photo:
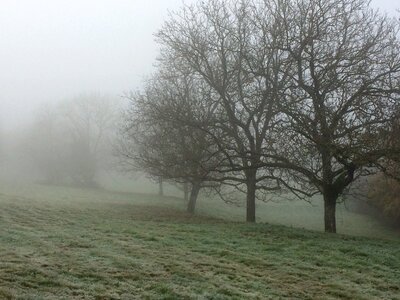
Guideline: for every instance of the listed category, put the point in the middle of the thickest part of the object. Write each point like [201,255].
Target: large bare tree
[341,100]
[306,89]
[232,47]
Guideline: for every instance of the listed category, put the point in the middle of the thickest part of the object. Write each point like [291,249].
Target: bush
[384,194]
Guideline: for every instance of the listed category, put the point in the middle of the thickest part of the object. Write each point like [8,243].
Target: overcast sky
[55,49]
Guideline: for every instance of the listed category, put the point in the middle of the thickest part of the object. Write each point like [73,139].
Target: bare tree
[90,123]
[68,142]
[340,103]
[47,147]
[231,46]
[306,89]
[157,140]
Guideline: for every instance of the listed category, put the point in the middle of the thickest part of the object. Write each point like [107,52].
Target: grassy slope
[299,214]
[70,243]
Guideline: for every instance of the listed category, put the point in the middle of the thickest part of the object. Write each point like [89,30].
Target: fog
[52,50]
[196,178]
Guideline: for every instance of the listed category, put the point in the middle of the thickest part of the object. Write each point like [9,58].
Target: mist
[123,175]
[53,50]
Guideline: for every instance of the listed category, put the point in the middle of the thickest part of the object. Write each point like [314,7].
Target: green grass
[278,211]
[65,243]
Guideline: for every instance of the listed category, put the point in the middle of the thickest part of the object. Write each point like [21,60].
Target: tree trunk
[330,212]
[330,192]
[186,192]
[193,198]
[251,196]
[160,187]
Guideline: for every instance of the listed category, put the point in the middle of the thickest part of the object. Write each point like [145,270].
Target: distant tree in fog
[69,141]
[46,145]
[90,123]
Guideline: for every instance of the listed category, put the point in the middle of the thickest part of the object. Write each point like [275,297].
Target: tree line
[69,142]
[269,97]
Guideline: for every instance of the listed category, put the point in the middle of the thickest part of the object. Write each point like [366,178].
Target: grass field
[66,243]
[299,214]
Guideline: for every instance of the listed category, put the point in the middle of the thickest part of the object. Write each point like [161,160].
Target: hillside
[63,243]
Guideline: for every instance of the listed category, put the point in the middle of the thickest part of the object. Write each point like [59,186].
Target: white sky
[55,49]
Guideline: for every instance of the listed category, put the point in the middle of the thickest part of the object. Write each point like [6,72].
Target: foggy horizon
[56,50]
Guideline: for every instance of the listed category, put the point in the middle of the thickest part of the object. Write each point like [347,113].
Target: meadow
[70,243]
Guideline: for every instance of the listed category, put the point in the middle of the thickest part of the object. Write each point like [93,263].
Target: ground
[66,243]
